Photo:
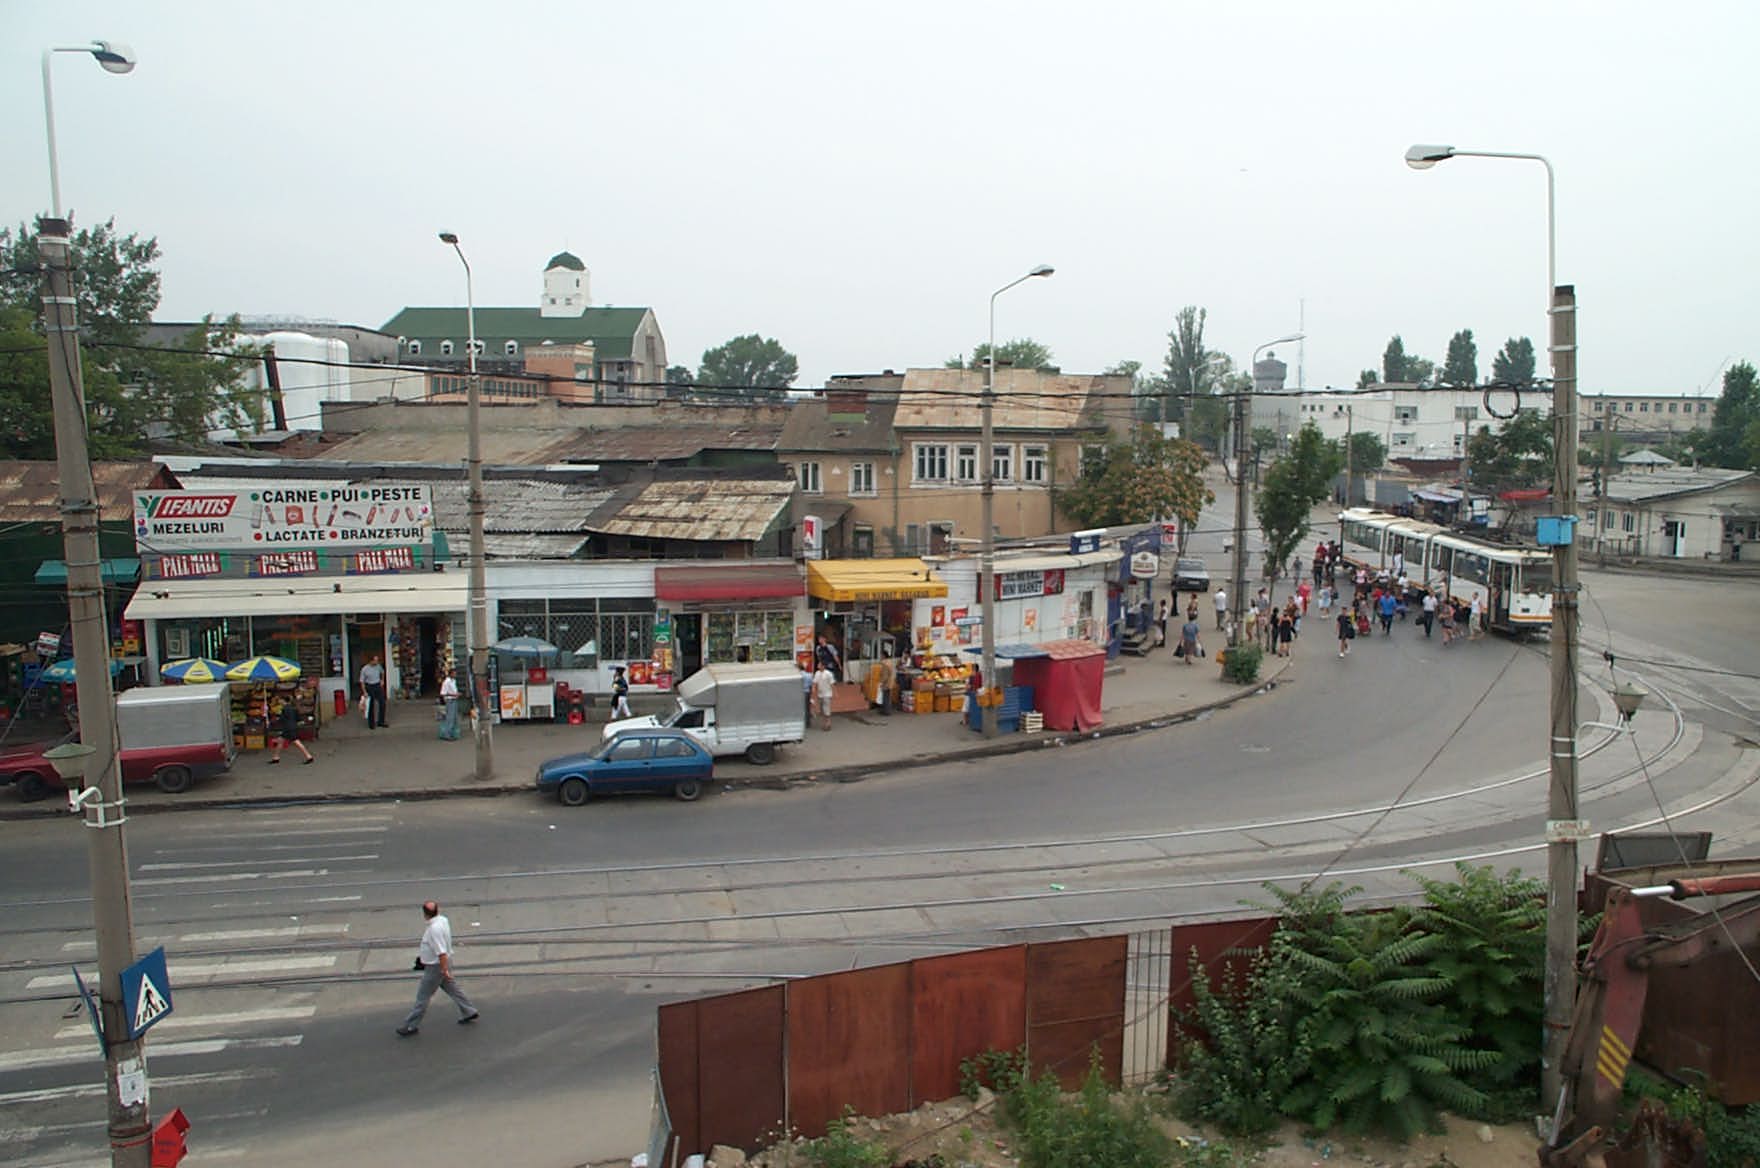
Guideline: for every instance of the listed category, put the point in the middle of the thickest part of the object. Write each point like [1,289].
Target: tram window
[1438,556]
[1537,577]
[1470,566]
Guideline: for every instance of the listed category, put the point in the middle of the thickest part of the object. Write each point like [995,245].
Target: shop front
[598,614]
[1130,606]
[867,608]
[1039,597]
[730,613]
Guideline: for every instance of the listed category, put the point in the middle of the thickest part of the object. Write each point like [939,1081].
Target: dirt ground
[965,1134]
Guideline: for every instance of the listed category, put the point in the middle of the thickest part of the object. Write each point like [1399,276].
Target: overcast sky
[855,180]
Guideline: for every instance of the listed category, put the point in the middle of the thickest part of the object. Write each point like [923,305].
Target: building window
[511,348]
[1459,442]
[1628,407]
[1627,522]
[1469,413]
[1093,461]
[809,477]
[1405,413]
[1643,407]
[477,347]
[861,480]
[861,541]
[1404,438]
[1598,407]
[415,348]
[931,459]
[1606,520]
[965,464]
[1002,464]
[1701,404]
[446,348]
[912,534]
[1033,464]
[1589,517]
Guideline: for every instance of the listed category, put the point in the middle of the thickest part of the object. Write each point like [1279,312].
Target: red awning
[705,584]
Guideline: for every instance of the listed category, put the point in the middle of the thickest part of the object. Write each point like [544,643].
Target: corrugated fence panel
[962,1005]
[1212,941]
[1075,1001]
[848,1043]
[739,1069]
[676,1038]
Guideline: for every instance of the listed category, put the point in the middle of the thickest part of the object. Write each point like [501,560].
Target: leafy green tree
[132,392]
[1420,370]
[751,366]
[1368,453]
[1021,353]
[1143,479]
[1190,370]
[1367,378]
[1462,364]
[1734,440]
[1517,455]
[1514,363]
[1393,361]
[1147,397]
[1293,484]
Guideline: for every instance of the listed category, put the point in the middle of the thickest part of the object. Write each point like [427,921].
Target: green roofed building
[618,351]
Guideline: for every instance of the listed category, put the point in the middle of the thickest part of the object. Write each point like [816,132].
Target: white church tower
[567,286]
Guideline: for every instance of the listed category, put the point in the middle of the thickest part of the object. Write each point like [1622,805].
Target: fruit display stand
[249,731]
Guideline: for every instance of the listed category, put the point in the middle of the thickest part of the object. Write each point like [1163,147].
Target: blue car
[657,761]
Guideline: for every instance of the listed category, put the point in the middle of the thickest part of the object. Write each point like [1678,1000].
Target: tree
[1189,371]
[1293,484]
[1514,363]
[1368,453]
[1734,439]
[1517,455]
[1021,353]
[1208,416]
[1462,365]
[751,366]
[1146,392]
[1420,370]
[679,379]
[1367,378]
[1393,361]
[132,392]
[1146,478]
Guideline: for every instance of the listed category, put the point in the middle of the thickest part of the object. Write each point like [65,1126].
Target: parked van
[746,709]
[171,735]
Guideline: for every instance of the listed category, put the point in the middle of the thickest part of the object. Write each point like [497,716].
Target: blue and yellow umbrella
[63,670]
[262,669]
[193,669]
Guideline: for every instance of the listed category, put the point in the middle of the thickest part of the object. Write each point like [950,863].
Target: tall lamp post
[102,802]
[987,558]
[479,624]
[1242,438]
[1563,827]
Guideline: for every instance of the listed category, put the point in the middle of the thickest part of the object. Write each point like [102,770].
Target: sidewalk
[407,760]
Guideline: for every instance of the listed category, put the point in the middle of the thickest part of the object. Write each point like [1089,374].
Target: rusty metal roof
[659,443]
[732,510]
[1026,399]
[30,492]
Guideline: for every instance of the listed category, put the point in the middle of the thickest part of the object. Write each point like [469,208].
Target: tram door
[1502,576]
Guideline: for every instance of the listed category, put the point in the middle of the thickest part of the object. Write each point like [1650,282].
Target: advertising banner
[283,518]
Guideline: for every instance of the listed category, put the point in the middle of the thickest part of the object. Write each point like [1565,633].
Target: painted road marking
[89,1090]
[56,1056]
[189,971]
[187,1021]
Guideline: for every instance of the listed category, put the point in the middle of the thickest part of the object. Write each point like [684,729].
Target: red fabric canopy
[733,582]
[1066,683]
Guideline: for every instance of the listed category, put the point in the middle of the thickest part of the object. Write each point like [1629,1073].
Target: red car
[171,735]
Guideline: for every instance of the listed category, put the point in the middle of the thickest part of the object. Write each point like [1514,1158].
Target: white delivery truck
[736,709]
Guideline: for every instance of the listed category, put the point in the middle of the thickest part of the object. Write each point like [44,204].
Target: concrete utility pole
[1562,812]
[125,1070]
[1350,457]
[1238,582]
[479,588]
[987,468]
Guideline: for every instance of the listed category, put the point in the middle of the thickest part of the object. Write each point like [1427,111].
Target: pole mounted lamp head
[115,56]
[449,237]
[1042,270]
[1423,157]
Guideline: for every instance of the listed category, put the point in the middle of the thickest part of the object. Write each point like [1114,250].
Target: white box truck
[736,709]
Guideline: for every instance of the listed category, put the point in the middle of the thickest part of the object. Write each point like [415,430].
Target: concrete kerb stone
[855,772]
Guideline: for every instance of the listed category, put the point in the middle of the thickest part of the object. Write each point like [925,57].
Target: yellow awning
[859,580]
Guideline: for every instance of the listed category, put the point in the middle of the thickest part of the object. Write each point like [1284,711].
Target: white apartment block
[1411,422]
[1647,413]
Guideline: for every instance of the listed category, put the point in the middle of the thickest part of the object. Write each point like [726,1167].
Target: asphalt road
[291,929]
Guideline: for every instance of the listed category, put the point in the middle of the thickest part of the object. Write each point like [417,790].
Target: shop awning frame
[116,570]
[857,581]
[306,596]
[705,584]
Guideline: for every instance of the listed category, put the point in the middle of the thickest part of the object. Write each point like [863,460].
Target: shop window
[966,464]
[931,462]
[1034,464]
[809,477]
[861,478]
[1002,464]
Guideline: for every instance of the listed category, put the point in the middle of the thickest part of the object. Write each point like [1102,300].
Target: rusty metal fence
[742,1068]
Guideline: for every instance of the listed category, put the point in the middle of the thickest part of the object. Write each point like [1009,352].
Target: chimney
[846,403]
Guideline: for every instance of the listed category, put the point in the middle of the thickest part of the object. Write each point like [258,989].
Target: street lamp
[987,558]
[115,57]
[1563,827]
[479,623]
[1242,436]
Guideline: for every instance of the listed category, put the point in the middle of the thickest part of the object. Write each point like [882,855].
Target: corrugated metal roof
[515,546]
[812,425]
[1026,399]
[704,510]
[30,492]
[519,506]
[1661,484]
[505,447]
[659,443]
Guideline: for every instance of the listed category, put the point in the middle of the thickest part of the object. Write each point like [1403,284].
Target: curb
[855,772]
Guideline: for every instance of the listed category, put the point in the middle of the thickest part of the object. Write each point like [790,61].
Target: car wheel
[573,792]
[687,791]
[174,780]
[31,787]
[761,753]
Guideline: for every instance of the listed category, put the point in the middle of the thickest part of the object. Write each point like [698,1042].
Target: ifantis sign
[283,518]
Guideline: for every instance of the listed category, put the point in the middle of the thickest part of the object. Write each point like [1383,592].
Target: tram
[1513,584]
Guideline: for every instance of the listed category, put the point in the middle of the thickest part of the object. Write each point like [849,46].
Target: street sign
[97,1019]
[146,992]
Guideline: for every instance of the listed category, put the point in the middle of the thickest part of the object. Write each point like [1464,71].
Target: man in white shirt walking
[434,959]
[1221,607]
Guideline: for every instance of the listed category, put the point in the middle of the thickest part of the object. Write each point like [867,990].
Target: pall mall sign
[283,518]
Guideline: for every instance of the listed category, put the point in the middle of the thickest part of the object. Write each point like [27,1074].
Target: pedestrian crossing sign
[146,992]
